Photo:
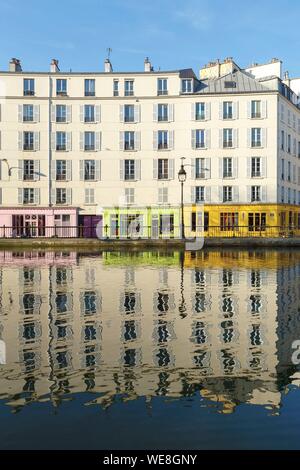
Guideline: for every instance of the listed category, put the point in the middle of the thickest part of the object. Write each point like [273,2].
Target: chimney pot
[54,66]
[147,65]
[15,65]
[107,66]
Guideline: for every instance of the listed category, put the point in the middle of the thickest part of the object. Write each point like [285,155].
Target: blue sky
[173,33]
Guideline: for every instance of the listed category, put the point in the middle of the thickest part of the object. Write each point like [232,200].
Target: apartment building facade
[80,149]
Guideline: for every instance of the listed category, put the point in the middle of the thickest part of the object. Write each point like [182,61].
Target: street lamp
[182,180]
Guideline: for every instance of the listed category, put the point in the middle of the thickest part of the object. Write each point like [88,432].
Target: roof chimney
[107,66]
[54,66]
[147,65]
[15,65]
[286,75]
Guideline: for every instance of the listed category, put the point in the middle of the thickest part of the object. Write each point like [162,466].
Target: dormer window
[187,86]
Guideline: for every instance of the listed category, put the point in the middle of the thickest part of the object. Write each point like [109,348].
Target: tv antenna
[109,51]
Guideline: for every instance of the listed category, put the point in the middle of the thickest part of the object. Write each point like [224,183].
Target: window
[186,86]
[298,149]
[289,171]
[255,193]
[129,170]
[28,196]
[256,137]
[162,195]
[28,87]
[282,140]
[89,141]
[89,113]
[199,193]
[162,140]
[227,138]
[227,110]
[61,86]
[128,140]
[289,143]
[163,168]
[61,196]
[61,141]
[89,87]
[200,170]
[200,139]
[28,170]
[61,113]
[27,113]
[61,170]
[162,112]
[256,167]
[28,143]
[255,109]
[89,170]
[227,168]
[200,111]
[129,195]
[227,193]
[116,87]
[257,221]
[129,88]
[229,220]
[128,113]
[162,86]
[282,169]
[89,196]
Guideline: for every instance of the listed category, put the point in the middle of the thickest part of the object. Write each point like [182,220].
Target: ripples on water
[215,327]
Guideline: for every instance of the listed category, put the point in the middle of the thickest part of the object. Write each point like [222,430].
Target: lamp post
[182,180]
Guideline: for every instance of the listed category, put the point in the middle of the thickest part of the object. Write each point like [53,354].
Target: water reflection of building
[116,329]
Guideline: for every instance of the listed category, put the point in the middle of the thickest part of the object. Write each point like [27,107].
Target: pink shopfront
[38,222]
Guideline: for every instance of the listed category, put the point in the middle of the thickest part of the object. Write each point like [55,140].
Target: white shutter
[171,140]
[221,138]
[249,162]
[207,171]
[221,110]
[81,141]
[264,137]
[53,113]
[248,193]
[264,193]
[69,170]
[264,110]
[171,112]
[193,111]
[81,113]
[137,141]
[98,141]
[36,141]
[53,141]
[20,195]
[249,138]
[235,138]
[207,138]
[220,193]
[249,109]
[207,111]
[155,169]
[98,170]
[137,169]
[81,169]
[36,170]
[221,168]
[155,140]
[69,196]
[235,194]
[193,194]
[193,168]
[236,110]
[121,112]
[122,170]
[171,169]
[36,195]
[53,196]
[53,170]
[69,141]
[263,166]
[69,113]
[121,141]
[235,167]
[155,112]
[36,113]
[193,139]
[98,113]
[20,113]
[20,169]
[137,113]
[207,195]
[20,140]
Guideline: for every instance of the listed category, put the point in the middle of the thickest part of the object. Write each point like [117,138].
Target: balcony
[28,92]
[162,92]
[227,174]
[89,93]
[61,119]
[162,146]
[227,144]
[27,118]
[200,175]
[89,148]
[61,93]
[256,143]
[200,117]
[61,177]
[28,177]
[256,174]
[256,115]
[61,147]
[89,119]
[28,147]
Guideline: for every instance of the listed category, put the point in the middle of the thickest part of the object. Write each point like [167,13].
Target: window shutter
[98,113]
[207,111]
[221,138]
[264,137]
[36,138]
[122,170]
[235,194]
[121,113]
[263,166]
[0,195]
[220,193]
[221,110]
[221,168]
[20,195]
[236,110]
[235,167]
[36,195]
[81,113]
[207,138]
[53,141]
[69,170]
[53,196]
[171,112]
[248,193]
[69,196]
[155,140]
[193,111]
[20,169]
[20,113]
[193,194]
[81,141]
[171,140]
[155,112]
[98,170]
[81,170]
[36,170]
[53,170]
[98,141]
[137,141]
[235,137]
[137,169]
[69,141]
[249,138]
[193,168]
[137,113]
[264,193]
[264,109]
[155,169]
[20,141]
[207,194]
[69,113]
[207,168]
[249,161]
[121,142]
[53,113]
[249,109]
[199,221]
[171,169]
[194,139]
[36,113]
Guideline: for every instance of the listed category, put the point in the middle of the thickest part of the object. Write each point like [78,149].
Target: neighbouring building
[72,143]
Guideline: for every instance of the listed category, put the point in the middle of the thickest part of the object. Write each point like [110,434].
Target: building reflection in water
[215,324]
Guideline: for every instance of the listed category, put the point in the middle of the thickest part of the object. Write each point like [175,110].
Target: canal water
[150,350]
